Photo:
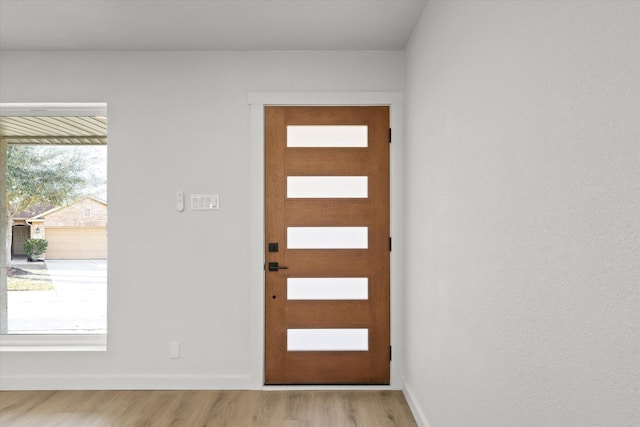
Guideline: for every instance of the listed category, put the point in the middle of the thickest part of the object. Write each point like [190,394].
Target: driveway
[77,304]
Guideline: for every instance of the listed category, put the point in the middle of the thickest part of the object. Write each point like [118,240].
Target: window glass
[327,288]
[306,187]
[327,237]
[347,136]
[58,213]
[327,339]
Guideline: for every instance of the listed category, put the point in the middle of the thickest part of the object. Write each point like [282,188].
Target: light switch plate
[205,202]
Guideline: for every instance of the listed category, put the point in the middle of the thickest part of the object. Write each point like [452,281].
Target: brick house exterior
[75,231]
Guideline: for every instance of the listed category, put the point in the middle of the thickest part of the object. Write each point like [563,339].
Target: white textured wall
[522,215]
[177,121]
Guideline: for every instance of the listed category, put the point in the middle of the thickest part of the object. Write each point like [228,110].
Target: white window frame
[46,342]
[257,102]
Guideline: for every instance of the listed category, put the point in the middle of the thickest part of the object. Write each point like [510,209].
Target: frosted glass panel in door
[327,136]
[327,237]
[327,339]
[327,288]
[306,187]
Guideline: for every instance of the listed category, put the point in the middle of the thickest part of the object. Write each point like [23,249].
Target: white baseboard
[417,412]
[125,382]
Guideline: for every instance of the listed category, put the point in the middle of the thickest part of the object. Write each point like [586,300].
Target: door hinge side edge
[389,135]
[390,245]
[390,353]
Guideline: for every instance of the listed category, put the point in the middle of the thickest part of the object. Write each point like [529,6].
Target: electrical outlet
[174,350]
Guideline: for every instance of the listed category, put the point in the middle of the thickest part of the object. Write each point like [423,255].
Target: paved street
[77,304]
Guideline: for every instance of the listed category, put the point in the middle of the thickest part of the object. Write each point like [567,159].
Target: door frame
[257,102]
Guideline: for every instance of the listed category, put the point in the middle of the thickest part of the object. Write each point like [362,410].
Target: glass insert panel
[327,187]
[328,339]
[327,237]
[327,136]
[328,288]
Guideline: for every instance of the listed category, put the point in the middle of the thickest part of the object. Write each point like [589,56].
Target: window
[53,167]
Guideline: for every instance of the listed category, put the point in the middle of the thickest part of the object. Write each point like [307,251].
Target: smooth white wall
[522,172]
[177,121]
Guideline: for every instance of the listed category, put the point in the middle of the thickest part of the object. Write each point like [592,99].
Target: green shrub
[35,247]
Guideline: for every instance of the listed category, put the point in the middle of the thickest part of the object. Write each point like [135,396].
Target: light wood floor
[204,408]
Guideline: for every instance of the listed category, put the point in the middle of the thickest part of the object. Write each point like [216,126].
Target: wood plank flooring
[204,408]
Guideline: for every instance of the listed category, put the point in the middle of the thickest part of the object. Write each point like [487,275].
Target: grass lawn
[29,277]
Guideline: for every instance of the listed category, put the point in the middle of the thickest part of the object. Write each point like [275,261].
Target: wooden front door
[20,235]
[327,245]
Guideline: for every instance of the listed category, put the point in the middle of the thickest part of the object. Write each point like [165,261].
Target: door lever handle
[273,266]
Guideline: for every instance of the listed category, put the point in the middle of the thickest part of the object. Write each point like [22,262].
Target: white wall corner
[416,410]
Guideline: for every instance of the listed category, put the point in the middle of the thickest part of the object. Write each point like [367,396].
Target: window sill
[42,342]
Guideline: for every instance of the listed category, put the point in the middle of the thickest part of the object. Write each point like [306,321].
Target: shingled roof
[38,210]
[33,211]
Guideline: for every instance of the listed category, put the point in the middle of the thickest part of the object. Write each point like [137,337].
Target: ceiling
[207,24]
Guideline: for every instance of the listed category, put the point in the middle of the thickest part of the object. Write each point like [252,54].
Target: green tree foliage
[47,175]
[35,247]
